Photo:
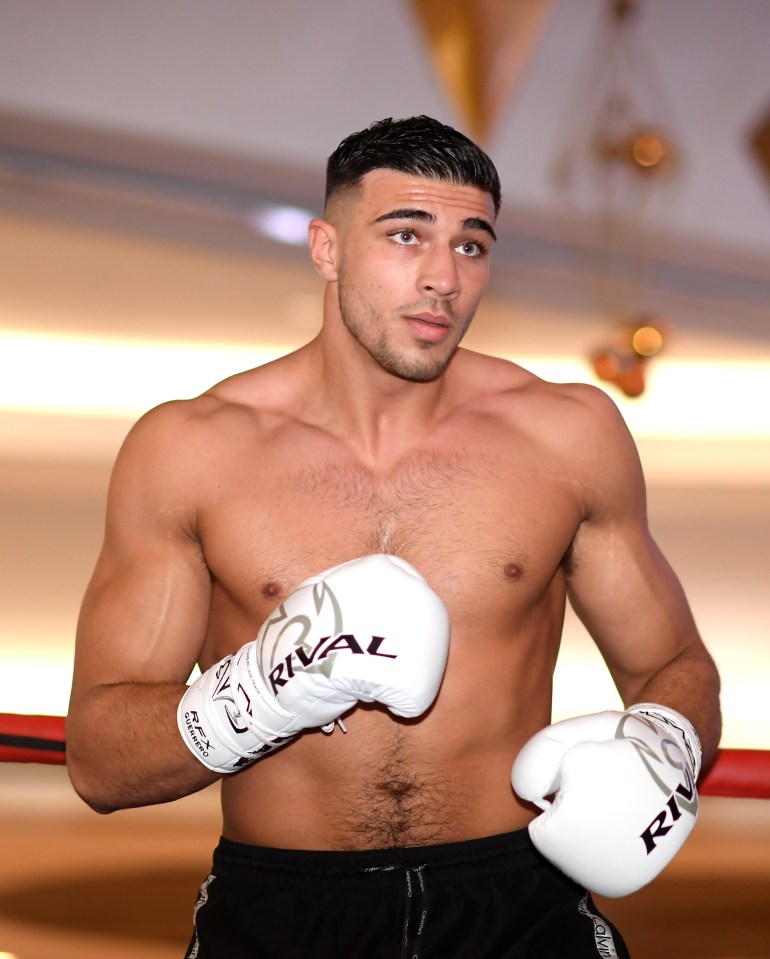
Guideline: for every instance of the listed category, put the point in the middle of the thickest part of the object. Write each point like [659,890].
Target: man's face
[413,262]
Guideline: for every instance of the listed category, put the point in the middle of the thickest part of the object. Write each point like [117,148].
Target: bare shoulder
[574,428]
[568,407]
[254,398]
[175,451]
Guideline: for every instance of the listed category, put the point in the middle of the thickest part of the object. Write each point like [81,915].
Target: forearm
[124,748]
[689,684]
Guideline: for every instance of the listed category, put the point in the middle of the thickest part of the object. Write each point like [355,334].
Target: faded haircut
[420,146]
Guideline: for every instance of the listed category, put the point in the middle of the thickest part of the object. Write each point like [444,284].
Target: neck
[354,397]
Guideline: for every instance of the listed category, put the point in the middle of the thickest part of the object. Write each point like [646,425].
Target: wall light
[93,377]
[99,377]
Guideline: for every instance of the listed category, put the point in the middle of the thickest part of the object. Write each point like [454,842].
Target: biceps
[631,602]
[144,616]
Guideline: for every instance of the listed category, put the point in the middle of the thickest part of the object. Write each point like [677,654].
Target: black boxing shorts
[493,898]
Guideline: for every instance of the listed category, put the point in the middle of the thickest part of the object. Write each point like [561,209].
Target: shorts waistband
[347,863]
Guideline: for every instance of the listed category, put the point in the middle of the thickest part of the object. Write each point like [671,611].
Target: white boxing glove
[369,630]
[617,792]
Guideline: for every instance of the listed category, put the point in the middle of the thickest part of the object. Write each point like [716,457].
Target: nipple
[271,589]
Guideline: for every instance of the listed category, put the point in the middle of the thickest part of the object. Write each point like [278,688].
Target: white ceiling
[175,118]
[284,82]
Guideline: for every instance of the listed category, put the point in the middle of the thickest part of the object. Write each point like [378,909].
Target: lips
[429,326]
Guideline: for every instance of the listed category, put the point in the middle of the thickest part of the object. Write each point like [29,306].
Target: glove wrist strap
[201,734]
[676,724]
[213,727]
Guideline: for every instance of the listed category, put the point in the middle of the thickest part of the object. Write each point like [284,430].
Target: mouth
[433,327]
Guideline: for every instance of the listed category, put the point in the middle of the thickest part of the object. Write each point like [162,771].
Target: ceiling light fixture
[284,224]
[617,159]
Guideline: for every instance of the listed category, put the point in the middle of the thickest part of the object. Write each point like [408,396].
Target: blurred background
[158,166]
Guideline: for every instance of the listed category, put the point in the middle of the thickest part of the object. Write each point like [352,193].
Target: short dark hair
[421,146]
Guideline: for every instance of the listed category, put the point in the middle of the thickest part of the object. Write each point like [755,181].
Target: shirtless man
[400,836]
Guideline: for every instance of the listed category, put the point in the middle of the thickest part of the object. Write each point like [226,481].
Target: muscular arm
[626,593]
[142,624]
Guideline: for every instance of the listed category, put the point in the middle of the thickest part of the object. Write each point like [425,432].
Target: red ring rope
[32,739]
[741,773]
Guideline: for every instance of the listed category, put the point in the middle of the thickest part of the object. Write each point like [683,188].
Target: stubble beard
[369,329]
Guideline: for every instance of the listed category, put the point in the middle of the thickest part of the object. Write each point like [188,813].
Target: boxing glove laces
[369,630]
[617,793]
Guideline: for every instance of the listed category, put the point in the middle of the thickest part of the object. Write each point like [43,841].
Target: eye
[404,237]
[470,248]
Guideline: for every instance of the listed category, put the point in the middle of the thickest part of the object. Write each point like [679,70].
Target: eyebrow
[409,213]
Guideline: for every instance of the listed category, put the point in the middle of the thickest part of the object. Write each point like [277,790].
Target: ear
[322,239]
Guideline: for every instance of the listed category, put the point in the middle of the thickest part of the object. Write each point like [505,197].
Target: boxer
[380,531]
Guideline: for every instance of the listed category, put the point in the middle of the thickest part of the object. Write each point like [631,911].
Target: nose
[439,275]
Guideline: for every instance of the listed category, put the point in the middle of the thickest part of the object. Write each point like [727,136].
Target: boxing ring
[736,773]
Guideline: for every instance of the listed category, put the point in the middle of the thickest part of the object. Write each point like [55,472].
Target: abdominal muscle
[442,777]
[385,783]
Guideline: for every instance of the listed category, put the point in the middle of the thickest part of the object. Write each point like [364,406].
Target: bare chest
[484,530]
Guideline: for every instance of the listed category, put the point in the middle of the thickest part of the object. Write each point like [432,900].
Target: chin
[414,371]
